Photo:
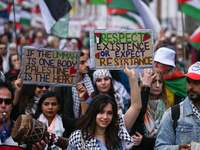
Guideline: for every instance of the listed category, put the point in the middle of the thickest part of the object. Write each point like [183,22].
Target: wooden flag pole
[15,27]
[184,51]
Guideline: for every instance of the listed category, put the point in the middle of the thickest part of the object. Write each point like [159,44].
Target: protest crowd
[89,93]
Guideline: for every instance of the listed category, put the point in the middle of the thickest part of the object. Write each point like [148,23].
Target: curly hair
[88,122]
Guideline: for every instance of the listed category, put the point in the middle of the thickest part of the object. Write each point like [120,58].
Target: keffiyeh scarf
[76,102]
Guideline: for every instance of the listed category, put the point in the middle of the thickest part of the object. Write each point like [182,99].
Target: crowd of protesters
[103,107]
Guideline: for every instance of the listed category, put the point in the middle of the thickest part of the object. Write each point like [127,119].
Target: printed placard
[112,48]
[50,66]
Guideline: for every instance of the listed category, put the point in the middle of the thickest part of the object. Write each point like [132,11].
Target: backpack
[175,110]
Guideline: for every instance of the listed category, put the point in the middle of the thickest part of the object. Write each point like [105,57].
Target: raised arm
[146,81]
[81,90]
[18,88]
[136,104]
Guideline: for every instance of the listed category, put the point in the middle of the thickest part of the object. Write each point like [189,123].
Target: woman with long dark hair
[29,96]
[103,84]
[102,127]
[50,112]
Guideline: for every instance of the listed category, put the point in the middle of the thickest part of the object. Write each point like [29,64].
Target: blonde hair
[163,94]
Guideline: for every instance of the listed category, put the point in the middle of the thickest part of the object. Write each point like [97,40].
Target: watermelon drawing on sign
[146,36]
[97,55]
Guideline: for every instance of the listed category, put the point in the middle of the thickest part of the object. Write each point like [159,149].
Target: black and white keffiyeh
[75,139]
[76,102]
[195,110]
[101,72]
[119,99]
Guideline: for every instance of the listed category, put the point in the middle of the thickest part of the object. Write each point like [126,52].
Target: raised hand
[129,72]
[18,83]
[147,78]
[81,90]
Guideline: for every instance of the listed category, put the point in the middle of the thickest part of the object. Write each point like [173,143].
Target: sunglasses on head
[7,101]
[41,87]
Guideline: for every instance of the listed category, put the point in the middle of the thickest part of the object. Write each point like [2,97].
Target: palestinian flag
[25,16]
[123,4]
[17,13]
[97,2]
[177,84]
[190,8]
[3,6]
[194,39]
[128,15]
[150,20]
[139,8]
[37,20]
[54,11]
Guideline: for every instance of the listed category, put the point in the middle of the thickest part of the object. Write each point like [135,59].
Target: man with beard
[69,94]
[188,128]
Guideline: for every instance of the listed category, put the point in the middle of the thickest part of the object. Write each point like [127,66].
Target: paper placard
[195,145]
[112,48]
[50,66]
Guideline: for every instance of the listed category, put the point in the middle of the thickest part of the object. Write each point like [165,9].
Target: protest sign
[50,66]
[112,48]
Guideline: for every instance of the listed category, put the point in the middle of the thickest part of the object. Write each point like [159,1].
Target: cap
[11,74]
[165,56]
[194,71]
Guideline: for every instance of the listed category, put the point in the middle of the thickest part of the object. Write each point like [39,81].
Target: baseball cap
[12,73]
[194,71]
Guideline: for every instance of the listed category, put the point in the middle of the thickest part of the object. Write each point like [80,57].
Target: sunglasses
[41,87]
[7,101]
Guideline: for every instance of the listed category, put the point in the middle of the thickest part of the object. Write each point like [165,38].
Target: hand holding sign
[112,48]
[50,66]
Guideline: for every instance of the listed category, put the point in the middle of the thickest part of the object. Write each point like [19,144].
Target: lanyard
[3,138]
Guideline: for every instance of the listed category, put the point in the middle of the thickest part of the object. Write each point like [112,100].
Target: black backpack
[175,110]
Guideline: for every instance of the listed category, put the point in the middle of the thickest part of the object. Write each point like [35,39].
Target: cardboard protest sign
[112,48]
[49,66]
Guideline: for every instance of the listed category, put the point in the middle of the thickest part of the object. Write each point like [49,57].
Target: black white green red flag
[55,12]
[190,8]
[194,39]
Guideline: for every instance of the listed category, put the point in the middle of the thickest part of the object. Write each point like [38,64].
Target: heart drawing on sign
[72,70]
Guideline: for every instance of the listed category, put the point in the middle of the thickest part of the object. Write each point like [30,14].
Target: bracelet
[145,84]
[49,141]
[55,139]
[82,100]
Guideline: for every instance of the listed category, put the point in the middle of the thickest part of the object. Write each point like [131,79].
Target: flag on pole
[190,8]
[97,2]
[194,39]
[17,13]
[138,9]
[53,11]
[37,20]
[128,15]
[123,4]
[3,6]
[25,16]
[149,19]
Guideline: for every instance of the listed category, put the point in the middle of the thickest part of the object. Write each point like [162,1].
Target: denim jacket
[188,128]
